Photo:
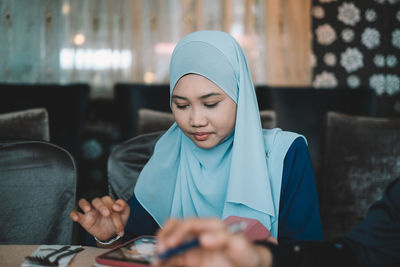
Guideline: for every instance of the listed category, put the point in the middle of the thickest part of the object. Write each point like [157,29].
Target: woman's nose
[197,118]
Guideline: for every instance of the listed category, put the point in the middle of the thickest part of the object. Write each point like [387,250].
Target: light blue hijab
[182,180]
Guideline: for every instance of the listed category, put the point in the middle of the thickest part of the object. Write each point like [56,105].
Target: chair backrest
[150,121]
[130,98]
[303,109]
[38,185]
[268,119]
[361,155]
[126,162]
[66,106]
[25,124]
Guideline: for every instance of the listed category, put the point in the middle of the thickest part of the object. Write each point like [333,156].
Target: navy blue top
[299,217]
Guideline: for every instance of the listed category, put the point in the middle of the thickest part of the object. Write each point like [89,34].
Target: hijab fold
[183,180]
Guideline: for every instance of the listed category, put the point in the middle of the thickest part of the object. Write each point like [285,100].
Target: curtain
[102,42]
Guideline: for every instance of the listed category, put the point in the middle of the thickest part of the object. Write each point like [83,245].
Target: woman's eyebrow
[201,97]
[209,95]
[178,97]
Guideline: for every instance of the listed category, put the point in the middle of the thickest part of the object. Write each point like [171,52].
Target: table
[13,255]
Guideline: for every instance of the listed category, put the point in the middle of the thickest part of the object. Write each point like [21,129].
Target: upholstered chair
[268,119]
[360,156]
[37,193]
[153,121]
[303,109]
[131,97]
[25,124]
[65,104]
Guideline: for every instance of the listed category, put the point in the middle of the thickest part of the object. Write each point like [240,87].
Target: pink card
[254,230]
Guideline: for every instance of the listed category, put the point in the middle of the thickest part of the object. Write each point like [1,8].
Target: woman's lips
[201,136]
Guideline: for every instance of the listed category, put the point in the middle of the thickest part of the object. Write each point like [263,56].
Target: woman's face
[202,110]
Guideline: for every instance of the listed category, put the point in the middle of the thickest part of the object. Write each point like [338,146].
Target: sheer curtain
[102,42]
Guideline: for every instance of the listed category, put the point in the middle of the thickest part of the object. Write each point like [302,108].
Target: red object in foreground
[254,229]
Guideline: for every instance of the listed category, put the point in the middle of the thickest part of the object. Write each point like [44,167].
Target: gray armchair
[25,124]
[361,156]
[37,192]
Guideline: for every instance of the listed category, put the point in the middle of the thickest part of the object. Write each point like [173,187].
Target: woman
[216,160]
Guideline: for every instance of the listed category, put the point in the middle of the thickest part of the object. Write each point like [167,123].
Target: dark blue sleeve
[140,222]
[299,217]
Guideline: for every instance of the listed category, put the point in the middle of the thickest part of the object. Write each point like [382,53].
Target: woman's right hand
[218,247]
[103,218]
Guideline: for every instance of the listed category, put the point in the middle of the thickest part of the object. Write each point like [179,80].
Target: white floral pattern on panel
[370,15]
[396,38]
[330,59]
[326,35]
[389,84]
[393,2]
[349,14]
[392,84]
[325,80]
[379,60]
[377,82]
[353,81]
[318,12]
[371,38]
[391,61]
[351,59]
[347,35]
[398,15]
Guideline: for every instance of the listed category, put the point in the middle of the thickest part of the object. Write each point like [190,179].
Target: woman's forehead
[197,85]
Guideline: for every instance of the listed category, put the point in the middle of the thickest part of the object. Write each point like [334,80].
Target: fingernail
[106,212]
[121,234]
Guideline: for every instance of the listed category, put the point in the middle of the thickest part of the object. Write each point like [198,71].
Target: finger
[167,228]
[273,240]
[123,208]
[115,215]
[199,257]
[99,205]
[118,224]
[193,227]
[165,231]
[218,239]
[241,251]
[74,215]
[82,219]
[84,205]
[119,205]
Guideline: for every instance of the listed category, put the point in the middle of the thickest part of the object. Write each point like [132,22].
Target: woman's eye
[211,105]
[181,106]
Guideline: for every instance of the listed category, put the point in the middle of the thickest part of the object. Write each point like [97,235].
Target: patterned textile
[356,44]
